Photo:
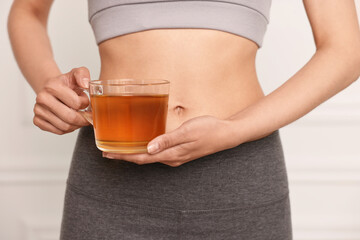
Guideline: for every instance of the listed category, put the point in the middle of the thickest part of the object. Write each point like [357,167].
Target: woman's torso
[211,72]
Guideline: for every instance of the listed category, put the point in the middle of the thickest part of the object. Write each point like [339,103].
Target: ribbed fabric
[246,18]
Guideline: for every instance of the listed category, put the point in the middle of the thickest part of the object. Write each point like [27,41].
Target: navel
[179,110]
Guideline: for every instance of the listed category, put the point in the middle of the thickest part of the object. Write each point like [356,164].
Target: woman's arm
[334,66]
[31,46]
[56,101]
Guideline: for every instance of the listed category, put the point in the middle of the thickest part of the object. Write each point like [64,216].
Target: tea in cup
[127,113]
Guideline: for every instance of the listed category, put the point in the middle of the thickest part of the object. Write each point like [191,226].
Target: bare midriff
[211,72]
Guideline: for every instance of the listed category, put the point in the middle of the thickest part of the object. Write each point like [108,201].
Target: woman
[218,172]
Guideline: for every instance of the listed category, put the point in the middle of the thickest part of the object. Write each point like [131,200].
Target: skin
[205,115]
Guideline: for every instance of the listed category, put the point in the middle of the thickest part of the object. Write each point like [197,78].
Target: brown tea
[126,123]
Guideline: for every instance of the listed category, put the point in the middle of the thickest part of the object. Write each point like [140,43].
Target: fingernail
[86,81]
[153,148]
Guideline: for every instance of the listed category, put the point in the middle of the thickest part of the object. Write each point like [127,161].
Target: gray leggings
[238,193]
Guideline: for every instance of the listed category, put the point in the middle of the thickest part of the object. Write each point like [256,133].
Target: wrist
[246,129]
[248,125]
[234,132]
[48,71]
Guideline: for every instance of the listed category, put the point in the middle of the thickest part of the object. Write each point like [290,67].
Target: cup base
[122,147]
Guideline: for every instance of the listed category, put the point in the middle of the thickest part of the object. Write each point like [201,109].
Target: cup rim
[107,82]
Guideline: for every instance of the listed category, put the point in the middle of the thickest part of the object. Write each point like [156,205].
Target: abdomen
[211,72]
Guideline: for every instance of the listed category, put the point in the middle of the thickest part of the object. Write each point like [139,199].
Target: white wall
[322,149]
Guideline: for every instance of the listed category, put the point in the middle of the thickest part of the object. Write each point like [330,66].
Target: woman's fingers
[66,114]
[173,164]
[50,117]
[78,77]
[46,126]
[178,136]
[61,90]
[174,156]
[57,103]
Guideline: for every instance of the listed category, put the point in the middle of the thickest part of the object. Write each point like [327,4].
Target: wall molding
[334,112]
[324,176]
[326,234]
[323,169]
[326,227]
[300,171]
[33,174]
[44,228]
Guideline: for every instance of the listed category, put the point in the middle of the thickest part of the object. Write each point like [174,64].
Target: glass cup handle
[86,112]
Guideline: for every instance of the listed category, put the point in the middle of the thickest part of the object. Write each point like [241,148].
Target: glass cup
[127,113]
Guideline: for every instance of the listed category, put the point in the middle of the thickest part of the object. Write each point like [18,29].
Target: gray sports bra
[246,18]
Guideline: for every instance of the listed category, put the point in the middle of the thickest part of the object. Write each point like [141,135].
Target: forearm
[327,73]
[31,45]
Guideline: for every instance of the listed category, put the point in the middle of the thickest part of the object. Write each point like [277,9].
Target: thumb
[167,140]
[79,77]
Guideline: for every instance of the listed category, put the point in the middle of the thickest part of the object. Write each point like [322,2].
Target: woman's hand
[58,101]
[195,138]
